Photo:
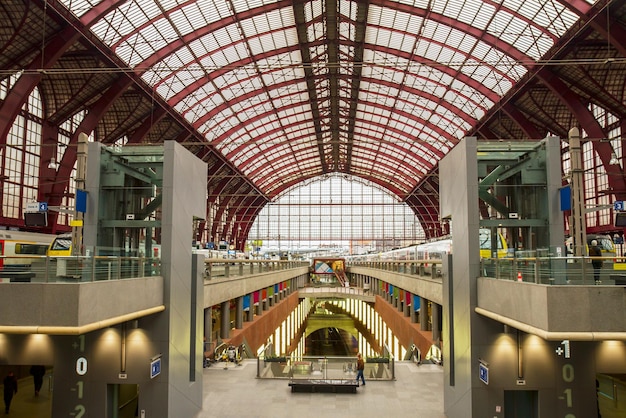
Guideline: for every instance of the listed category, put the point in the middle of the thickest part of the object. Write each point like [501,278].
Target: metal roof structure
[271,93]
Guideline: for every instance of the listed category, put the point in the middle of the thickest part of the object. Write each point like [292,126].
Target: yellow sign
[76,222]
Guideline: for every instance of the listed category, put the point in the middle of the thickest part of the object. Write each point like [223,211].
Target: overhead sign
[36,207]
[618,205]
[32,207]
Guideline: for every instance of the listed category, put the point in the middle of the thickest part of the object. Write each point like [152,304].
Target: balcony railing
[323,367]
[75,268]
[551,270]
[422,268]
[223,267]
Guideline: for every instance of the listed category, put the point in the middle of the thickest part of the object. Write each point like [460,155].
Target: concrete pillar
[239,313]
[423,314]
[259,308]
[251,311]
[208,324]
[436,309]
[225,319]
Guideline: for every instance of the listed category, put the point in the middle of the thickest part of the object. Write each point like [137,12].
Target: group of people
[10,384]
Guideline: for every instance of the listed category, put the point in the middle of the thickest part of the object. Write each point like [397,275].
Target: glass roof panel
[426,76]
[80,7]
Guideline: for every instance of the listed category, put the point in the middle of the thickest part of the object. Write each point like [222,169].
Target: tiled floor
[416,392]
[236,392]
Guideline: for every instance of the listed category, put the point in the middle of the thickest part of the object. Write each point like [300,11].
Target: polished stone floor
[236,392]
[416,392]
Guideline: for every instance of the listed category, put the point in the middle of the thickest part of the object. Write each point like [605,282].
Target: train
[436,249]
[18,249]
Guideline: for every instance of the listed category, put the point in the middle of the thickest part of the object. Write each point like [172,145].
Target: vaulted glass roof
[289,90]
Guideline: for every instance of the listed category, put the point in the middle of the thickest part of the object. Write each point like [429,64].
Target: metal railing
[224,267]
[45,269]
[323,367]
[431,268]
[552,270]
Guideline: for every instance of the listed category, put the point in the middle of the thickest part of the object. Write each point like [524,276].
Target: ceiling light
[53,165]
[613,160]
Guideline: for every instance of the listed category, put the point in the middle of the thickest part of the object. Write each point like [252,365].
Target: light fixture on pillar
[53,165]
[614,160]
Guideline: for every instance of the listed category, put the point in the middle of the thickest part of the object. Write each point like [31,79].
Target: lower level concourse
[236,392]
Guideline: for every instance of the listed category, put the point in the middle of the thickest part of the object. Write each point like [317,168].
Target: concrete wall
[221,289]
[121,355]
[257,332]
[407,332]
[589,309]
[428,288]
[179,332]
[77,304]
[561,381]
[463,333]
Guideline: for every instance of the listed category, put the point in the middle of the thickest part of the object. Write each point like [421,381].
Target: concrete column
[251,311]
[436,309]
[259,308]
[208,324]
[423,314]
[239,313]
[225,321]
[413,314]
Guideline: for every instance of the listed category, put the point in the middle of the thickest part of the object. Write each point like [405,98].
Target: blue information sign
[483,373]
[43,206]
[155,368]
[618,205]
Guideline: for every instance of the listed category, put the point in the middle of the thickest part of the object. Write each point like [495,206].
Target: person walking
[10,389]
[38,373]
[360,366]
[595,252]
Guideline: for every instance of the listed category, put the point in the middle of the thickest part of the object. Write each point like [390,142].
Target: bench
[324,385]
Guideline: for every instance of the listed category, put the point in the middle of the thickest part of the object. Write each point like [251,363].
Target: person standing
[10,389]
[596,261]
[360,366]
[38,373]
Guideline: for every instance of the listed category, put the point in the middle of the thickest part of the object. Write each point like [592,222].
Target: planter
[275,359]
[377,360]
